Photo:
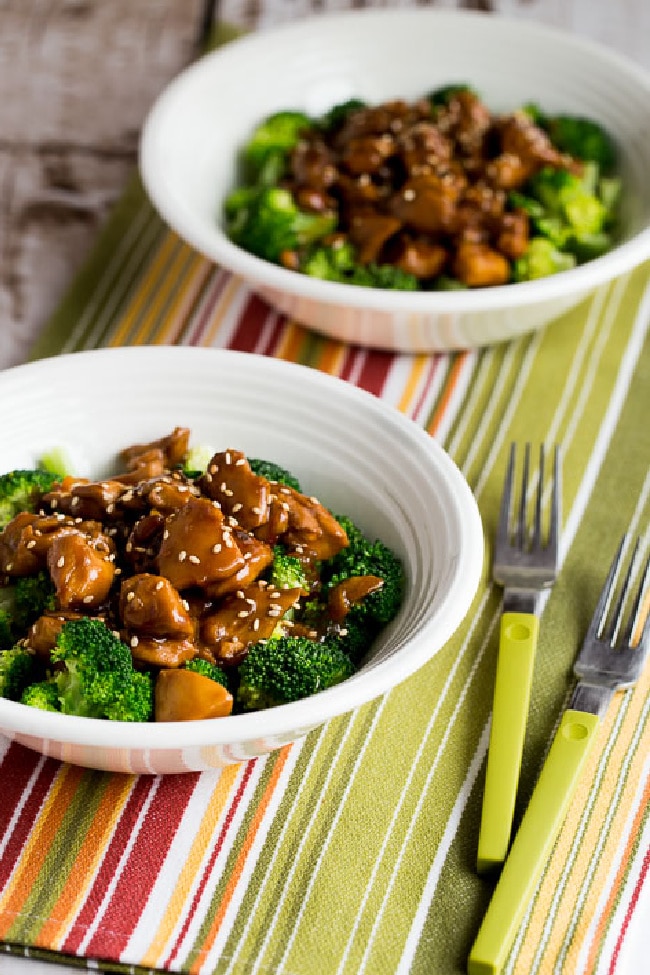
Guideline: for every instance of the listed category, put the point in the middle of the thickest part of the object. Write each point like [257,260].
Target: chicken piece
[82,570]
[312,533]
[143,467]
[367,153]
[197,546]
[161,651]
[427,203]
[509,171]
[478,265]
[173,449]
[183,695]
[343,596]
[244,618]
[240,492]
[513,234]
[423,146]
[257,557]
[311,163]
[17,546]
[420,257]
[466,120]
[81,498]
[150,606]
[43,633]
[369,232]
[144,540]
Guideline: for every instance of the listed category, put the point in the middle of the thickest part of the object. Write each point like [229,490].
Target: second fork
[525,564]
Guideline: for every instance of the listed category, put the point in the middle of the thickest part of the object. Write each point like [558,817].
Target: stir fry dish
[435,194]
[188,585]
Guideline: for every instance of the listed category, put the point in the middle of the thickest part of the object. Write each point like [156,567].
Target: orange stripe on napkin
[238,866]
[220,797]
[451,384]
[41,838]
[88,857]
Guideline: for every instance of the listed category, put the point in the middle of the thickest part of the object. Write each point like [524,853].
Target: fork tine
[634,618]
[503,529]
[521,521]
[617,615]
[599,617]
[556,505]
[537,526]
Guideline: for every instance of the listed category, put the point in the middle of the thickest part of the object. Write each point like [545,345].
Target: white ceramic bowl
[358,455]
[192,135]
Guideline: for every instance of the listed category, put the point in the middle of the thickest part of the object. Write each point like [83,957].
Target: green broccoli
[271,140]
[569,199]
[43,694]
[266,222]
[21,490]
[338,262]
[17,669]
[364,557]
[338,114]
[582,138]
[541,258]
[273,472]
[207,669]
[443,95]
[287,571]
[285,669]
[197,459]
[33,596]
[97,679]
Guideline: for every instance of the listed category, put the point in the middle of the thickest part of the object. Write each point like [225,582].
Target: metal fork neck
[521,601]
[592,698]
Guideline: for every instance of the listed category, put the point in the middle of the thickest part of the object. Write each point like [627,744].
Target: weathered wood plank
[76,80]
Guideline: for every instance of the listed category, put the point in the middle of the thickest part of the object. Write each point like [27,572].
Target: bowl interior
[357,455]
[191,138]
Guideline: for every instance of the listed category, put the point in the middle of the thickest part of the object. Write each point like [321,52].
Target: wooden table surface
[77,77]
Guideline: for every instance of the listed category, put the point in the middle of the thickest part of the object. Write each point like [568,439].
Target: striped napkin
[353,851]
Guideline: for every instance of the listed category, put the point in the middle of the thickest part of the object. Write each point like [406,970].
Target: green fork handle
[533,842]
[514,675]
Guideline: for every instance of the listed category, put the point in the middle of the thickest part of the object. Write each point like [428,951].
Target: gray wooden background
[76,80]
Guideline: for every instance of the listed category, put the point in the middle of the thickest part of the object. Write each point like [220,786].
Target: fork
[611,659]
[525,567]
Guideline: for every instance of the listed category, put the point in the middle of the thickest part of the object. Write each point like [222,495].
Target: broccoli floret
[266,222]
[273,472]
[338,262]
[568,199]
[286,669]
[270,142]
[442,96]
[338,114]
[541,259]
[197,459]
[44,695]
[33,596]
[98,679]
[21,490]
[582,138]
[17,669]
[364,557]
[57,461]
[287,571]
[207,669]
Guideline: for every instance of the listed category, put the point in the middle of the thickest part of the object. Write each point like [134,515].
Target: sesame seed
[256,624]
[129,596]
[208,478]
[54,503]
[228,457]
[237,507]
[110,508]
[75,501]
[127,496]
[274,612]
[275,607]
[409,195]
[216,548]
[9,566]
[228,493]
[159,585]
[223,486]
[243,613]
[87,599]
[182,556]
[134,641]
[256,510]
[213,468]
[61,562]
[118,571]
[186,604]
[240,594]
[240,462]
[195,559]
[31,544]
